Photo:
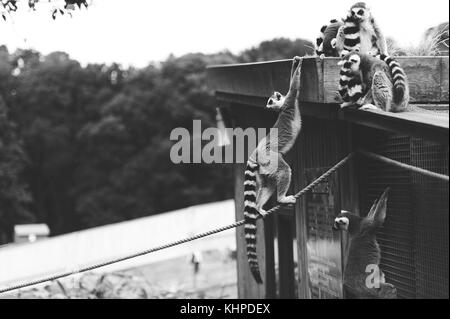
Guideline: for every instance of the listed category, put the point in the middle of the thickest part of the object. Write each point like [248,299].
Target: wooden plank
[428,78]
[255,79]
[300,223]
[444,79]
[261,79]
[267,264]
[429,125]
[331,80]
[420,121]
[286,256]
[424,77]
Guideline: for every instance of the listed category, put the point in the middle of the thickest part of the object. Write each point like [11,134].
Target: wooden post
[286,254]
[300,225]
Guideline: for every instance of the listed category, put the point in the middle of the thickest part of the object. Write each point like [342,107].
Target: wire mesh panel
[430,198]
[396,237]
[414,238]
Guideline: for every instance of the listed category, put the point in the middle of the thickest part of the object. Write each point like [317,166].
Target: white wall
[61,253]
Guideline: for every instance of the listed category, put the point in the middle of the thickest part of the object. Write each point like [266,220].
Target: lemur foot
[322,56]
[263,213]
[295,62]
[368,107]
[388,291]
[287,200]
[346,104]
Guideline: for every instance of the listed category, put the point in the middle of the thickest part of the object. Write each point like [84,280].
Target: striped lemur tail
[250,217]
[398,76]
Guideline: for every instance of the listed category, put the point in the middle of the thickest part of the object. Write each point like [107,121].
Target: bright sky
[135,32]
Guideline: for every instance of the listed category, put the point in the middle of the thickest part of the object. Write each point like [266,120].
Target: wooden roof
[253,83]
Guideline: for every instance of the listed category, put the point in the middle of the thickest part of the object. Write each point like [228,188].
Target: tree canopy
[59,7]
[82,146]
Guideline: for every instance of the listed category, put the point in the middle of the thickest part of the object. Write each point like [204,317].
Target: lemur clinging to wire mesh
[364,253]
[267,172]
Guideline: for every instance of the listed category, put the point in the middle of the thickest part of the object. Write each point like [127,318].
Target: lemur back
[360,33]
[267,171]
[326,41]
[381,80]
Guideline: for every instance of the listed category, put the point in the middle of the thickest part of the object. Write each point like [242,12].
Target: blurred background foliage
[83,146]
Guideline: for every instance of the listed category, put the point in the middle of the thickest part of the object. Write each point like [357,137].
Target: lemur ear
[341,62]
[377,213]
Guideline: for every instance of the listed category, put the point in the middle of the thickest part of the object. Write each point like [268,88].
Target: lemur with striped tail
[360,33]
[267,172]
[373,83]
[363,277]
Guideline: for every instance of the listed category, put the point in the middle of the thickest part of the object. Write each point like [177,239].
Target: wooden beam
[418,122]
[286,254]
[428,78]
[425,124]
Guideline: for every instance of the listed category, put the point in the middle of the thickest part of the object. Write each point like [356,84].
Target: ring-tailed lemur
[380,79]
[364,251]
[276,101]
[326,41]
[360,33]
[267,171]
[351,84]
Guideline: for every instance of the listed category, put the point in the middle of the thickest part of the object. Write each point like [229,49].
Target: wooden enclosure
[300,257]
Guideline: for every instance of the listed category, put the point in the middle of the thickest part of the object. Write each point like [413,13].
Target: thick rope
[175,243]
[404,166]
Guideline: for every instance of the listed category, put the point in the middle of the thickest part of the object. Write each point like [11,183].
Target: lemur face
[347,222]
[359,12]
[275,102]
[341,223]
[351,61]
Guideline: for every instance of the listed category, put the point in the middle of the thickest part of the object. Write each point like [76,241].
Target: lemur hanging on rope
[360,33]
[373,83]
[364,253]
[267,171]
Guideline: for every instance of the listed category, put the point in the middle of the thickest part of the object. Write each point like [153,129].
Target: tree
[97,137]
[14,195]
[276,49]
[59,7]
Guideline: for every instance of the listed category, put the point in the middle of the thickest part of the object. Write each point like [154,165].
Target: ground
[173,278]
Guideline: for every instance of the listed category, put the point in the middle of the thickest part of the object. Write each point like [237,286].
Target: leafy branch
[9,6]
